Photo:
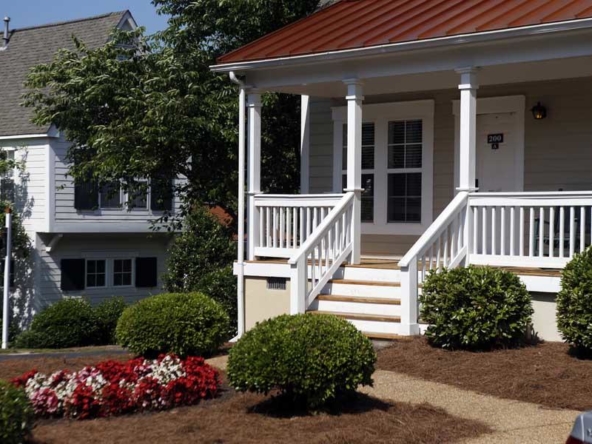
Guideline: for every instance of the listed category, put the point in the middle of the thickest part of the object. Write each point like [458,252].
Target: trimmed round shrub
[186,324]
[311,359]
[67,323]
[574,303]
[16,414]
[107,313]
[475,308]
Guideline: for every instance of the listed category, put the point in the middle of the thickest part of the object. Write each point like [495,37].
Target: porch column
[253,170]
[305,145]
[468,129]
[354,161]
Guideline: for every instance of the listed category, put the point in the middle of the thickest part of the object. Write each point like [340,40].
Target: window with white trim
[96,273]
[110,196]
[368,153]
[405,146]
[122,272]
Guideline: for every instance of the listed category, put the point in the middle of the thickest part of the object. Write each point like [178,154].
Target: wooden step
[387,336]
[358,299]
[359,317]
[373,283]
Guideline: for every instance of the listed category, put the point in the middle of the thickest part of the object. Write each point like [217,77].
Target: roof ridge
[66,22]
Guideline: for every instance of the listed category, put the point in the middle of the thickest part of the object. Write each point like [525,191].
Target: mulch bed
[248,418]
[544,374]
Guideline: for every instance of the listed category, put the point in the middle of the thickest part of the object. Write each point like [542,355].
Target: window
[368,153]
[122,272]
[138,198]
[7,178]
[96,273]
[405,161]
[110,196]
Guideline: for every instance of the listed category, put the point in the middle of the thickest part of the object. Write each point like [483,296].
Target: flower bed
[113,388]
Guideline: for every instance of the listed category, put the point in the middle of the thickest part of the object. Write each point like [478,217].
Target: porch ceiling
[430,81]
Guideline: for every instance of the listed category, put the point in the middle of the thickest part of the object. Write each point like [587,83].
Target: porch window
[405,146]
[122,272]
[368,148]
[96,272]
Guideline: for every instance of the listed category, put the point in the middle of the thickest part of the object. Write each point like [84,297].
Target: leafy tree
[150,106]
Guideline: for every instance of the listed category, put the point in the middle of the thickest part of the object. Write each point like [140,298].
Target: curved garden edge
[544,374]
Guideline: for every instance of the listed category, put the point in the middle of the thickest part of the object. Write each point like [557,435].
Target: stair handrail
[302,294]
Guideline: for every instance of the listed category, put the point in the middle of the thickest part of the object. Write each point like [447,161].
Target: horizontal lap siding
[558,150]
[74,246]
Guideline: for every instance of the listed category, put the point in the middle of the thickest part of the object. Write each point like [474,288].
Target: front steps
[367,297]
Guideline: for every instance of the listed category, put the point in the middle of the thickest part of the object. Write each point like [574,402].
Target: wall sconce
[539,112]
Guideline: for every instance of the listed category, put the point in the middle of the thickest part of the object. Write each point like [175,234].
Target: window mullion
[380,172]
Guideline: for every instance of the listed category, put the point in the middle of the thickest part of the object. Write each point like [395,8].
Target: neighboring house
[85,241]
[449,133]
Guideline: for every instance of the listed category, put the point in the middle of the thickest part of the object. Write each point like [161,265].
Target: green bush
[67,323]
[475,308]
[187,324]
[574,303]
[16,414]
[31,339]
[13,329]
[312,359]
[107,313]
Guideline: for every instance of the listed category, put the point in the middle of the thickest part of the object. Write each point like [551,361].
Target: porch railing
[287,221]
[444,244]
[325,250]
[537,229]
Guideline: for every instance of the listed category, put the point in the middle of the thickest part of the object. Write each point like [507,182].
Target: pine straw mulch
[545,374]
[248,418]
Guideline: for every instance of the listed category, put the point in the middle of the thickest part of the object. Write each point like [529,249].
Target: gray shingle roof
[29,47]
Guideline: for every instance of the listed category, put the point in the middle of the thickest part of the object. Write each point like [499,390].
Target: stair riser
[368,274]
[374,291]
[356,308]
[376,326]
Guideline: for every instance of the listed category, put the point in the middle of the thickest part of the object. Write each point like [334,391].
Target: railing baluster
[282,228]
[531,234]
[452,239]
[582,229]
[493,231]
[308,223]
[275,227]
[302,228]
[541,231]
[572,231]
[512,231]
[503,231]
[261,224]
[484,231]
[294,228]
[268,227]
[562,232]
[446,247]
[475,211]
[431,264]
[521,235]
[461,229]
[551,231]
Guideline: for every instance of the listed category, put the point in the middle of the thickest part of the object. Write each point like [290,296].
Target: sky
[37,12]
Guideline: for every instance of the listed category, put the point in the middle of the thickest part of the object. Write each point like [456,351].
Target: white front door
[496,153]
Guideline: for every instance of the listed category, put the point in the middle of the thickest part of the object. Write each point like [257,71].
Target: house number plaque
[494,140]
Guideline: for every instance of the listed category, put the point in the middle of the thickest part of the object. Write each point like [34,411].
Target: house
[84,241]
[435,133]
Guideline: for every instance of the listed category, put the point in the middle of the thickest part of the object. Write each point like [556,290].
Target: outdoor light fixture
[539,111]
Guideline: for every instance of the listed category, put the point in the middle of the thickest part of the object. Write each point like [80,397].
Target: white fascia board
[28,136]
[480,37]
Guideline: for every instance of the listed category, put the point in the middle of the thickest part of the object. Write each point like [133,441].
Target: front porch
[430,170]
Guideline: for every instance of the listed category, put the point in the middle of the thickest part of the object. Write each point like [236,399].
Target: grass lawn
[544,374]
[247,418]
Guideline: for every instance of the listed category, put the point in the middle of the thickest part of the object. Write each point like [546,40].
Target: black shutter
[161,194]
[146,272]
[7,190]
[86,195]
[73,274]
[11,282]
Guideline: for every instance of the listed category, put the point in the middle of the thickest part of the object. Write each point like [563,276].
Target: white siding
[106,246]
[558,150]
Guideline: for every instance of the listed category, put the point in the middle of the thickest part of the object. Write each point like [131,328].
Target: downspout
[241,205]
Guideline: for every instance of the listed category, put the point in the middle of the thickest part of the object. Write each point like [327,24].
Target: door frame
[496,105]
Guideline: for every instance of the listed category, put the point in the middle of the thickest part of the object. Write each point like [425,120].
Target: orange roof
[350,24]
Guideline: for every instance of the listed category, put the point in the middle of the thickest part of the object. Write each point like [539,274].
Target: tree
[143,107]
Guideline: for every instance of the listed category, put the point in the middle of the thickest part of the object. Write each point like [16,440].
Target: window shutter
[86,195]
[11,282]
[7,190]
[161,195]
[146,272]
[73,274]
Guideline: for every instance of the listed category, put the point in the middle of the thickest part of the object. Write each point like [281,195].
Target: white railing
[325,250]
[443,245]
[287,221]
[537,229]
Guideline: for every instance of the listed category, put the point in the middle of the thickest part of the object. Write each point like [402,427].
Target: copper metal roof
[352,24]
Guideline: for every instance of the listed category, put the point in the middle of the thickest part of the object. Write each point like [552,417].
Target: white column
[254,169]
[304,144]
[468,129]
[241,212]
[354,160]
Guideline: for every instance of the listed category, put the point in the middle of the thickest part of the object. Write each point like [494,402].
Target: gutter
[28,136]
[393,48]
